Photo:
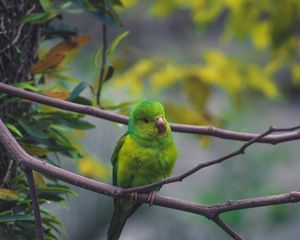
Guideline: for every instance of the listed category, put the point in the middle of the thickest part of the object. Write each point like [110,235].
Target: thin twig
[7,174]
[184,128]
[188,173]
[232,205]
[226,228]
[35,203]
[103,59]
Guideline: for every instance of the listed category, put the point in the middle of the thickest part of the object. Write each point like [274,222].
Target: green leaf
[15,217]
[83,101]
[76,123]
[32,17]
[115,2]
[59,114]
[116,42]
[58,190]
[113,16]
[51,197]
[77,90]
[51,221]
[34,149]
[46,4]
[97,58]
[27,86]
[60,138]
[107,15]
[14,129]
[65,7]
[61,76]
[58,128]
[32,130]
[54,193]
[39,17]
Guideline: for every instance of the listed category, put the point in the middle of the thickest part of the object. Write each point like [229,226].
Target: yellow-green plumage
[145,154]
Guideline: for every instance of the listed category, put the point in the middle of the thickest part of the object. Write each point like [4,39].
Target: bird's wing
[114,157]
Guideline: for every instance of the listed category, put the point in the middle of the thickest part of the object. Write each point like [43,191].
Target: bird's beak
[161,125]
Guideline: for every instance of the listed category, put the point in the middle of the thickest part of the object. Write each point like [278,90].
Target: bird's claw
[151,197]
[133,197]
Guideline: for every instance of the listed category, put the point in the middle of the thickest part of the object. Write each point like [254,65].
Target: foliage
[46,132]
[16,212]
[265,30]
[274,48]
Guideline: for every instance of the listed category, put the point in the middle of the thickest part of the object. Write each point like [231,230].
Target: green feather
[144,155]
[114,157]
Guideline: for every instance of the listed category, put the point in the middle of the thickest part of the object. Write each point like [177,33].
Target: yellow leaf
[142,67]
[7,194]
[261,81]
[206,11]
[39,179]
[47,63]
[55,56]
[261,37]
[133,78]
[184,114]
[162,8]
[57,94]
[205,141]
[219,70]
[215,57]
[234,5]
[34,150]
[296,73]
[79,133]
[92,168]
[166,77]
[67,46]
[197,91]
[127,4]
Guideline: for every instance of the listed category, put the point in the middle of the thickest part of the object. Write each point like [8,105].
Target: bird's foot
[151,198]
[133,197]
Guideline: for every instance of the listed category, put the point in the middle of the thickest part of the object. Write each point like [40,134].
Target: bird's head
[147,120]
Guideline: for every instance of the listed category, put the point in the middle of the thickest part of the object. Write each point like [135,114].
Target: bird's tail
[119,219]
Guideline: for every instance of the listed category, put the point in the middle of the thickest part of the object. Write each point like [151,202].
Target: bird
[145,154]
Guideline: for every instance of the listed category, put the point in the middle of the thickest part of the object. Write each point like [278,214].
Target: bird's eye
[146,120]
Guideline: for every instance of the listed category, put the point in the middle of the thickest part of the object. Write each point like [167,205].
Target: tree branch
[103,58]
[7,176]
[35,203]
[226,228]
[92,111]
[200,166]
[210,211]
[232,205]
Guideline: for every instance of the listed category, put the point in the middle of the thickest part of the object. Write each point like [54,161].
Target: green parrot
[145,154]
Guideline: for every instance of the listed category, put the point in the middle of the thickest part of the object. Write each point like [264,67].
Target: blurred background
[231,64]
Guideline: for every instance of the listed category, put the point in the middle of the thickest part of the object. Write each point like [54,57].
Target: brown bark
[18,50]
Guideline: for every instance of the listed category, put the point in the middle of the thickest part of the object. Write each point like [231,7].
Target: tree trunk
[18,50]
